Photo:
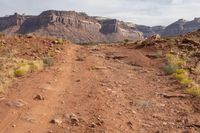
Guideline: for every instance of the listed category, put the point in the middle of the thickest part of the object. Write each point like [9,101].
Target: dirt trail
[98,89]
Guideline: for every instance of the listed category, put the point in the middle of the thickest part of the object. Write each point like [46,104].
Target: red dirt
[99,89]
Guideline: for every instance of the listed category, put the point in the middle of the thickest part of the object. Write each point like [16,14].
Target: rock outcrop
[182,27]
[77,27]
[175,28]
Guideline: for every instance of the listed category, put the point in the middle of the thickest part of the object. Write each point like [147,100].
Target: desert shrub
[170,69]
[27,66]
[175,60]
[181,71]
[48,61]
[195,91]
[60,41]
[186,82]
[22,70]
[180,77]
[36,65]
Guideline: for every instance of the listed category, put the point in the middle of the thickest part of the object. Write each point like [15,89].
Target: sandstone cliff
[77,27]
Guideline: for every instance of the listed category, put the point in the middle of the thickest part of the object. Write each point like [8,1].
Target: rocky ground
[99,89]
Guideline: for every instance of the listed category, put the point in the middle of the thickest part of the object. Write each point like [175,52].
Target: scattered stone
[130,124]
[174,95]
[57,121]
[2,98]
[38,97]
[16,103]
[50,131]
[93,125]
[154,55]
[79,58]
[116,57]
[78,80]
[190,41]
[13,125]
[74,119]
[164,123]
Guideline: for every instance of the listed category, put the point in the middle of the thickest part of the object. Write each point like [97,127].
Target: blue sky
[149,12]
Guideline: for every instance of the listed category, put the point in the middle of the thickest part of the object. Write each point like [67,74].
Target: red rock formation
[77,27]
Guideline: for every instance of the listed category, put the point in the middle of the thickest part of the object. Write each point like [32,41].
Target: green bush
[170,69]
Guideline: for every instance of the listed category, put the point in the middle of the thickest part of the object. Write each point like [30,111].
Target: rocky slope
[181,27]
[77,27]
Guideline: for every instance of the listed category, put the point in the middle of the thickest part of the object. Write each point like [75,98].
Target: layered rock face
[109,26]
[11,24]
[14,20]
[77,27]
[149,31]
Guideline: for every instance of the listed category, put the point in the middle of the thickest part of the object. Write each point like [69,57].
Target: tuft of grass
[36,65]
[186,82]
[180,77]
[58,41]
[175,60]
[22,70]
[28,66]
[181,71]
[194,91]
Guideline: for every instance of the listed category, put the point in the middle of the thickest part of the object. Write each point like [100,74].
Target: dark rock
[56,121]
[38,97]
[74,119]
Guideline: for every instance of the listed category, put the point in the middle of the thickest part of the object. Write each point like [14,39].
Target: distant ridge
[71,25]
[81,28]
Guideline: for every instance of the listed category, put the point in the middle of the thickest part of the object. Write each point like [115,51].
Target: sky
[147,12]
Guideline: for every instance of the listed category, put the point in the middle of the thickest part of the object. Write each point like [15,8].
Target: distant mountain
[149,31]
[71,25]
[179,27]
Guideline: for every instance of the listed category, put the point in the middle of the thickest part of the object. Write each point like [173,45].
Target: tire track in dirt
[36,115]
[107,89]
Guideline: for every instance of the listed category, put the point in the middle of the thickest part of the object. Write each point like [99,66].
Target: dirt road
[98,89]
